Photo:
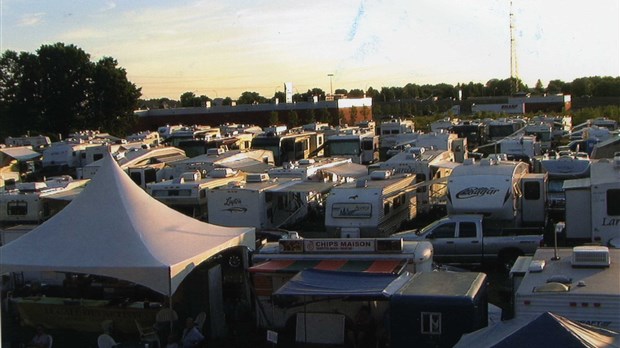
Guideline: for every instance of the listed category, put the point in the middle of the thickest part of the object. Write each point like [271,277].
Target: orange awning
[294,266]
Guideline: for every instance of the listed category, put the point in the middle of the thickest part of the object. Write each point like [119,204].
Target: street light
[331,90]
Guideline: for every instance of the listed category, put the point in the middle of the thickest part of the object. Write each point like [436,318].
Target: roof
[350,170]
[443,284]
[312,282]
[22,153]
[303,186]
[115,229]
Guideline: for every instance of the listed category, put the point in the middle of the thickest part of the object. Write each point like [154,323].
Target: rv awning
[248,165]
[348,170]
[314,282]
[303,186]
[293,266]
[20,153]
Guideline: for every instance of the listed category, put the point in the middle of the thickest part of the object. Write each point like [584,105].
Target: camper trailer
[333,169]
[264,203]
[188,193]
[601,192]
[360,147]
[278,262]
[373,206]
[430,166]
[290,146]
[581,284]
[502,191]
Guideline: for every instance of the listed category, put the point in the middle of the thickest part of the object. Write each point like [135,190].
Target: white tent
[115,229]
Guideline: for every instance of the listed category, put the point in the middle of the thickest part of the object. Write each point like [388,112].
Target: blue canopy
[314,282]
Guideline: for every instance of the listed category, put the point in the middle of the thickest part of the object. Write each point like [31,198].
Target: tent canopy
[314,282]
[545,330]
[115,229]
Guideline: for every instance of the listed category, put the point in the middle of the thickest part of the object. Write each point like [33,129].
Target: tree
[353,115]
[293,118]
[309,116]
[273,118]
[325,115]
[251,98]
[356,93]
[539,87]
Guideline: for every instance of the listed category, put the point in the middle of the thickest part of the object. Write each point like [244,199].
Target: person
[363,334]
[40,339]
[191,335]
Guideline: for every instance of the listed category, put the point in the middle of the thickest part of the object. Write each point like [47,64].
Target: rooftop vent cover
[590,256]
[257,177]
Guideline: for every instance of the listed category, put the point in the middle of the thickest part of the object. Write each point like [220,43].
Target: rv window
[386,208]
[97,156]
[136,177]
[150,175]
[17,208]
[531,190]
[613,202]
[467,230]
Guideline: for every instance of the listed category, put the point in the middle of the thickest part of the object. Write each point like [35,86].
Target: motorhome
[429,166]
[503,127]
[441,140]
[543,133]
[394,131]
[249,161]
[264,203]
[360,147]
[503,191]
[276,263]
[188,193]
[65,157]
[474,131]
[580,283]
[593,204]
[290,146]
[36,141]
[444,124]
[200,146]
[524,147]
[373,206]
[28,203]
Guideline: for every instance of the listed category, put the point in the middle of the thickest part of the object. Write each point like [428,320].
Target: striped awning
[294,266]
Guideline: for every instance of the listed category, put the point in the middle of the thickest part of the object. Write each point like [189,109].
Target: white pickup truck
[466,239]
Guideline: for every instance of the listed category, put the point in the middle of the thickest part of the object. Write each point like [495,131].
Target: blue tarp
[313,282]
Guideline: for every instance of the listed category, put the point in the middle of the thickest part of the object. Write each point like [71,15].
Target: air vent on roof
[380,174]
[306,161]
[222,172]
[590,256]
[469,161]
[257,177]
[190,176]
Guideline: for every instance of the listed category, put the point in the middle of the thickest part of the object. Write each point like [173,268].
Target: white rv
[430,166]
[593,204]
[520,146]
[543,133]
[581,284]
[188,193]
[264,203]
[502,191]
[360,147]
[276,263]
[394,131]
[373,206]
[332,169]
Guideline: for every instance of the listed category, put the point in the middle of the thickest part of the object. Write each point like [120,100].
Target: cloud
[31,19]
[356,21]
[110,5]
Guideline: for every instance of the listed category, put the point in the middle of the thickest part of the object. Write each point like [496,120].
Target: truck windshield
[428,227]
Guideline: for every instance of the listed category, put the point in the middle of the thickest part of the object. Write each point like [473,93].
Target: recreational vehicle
[542,132]
[265,203]
[501,128]
[429,166]
[473,131]
[581,284]
[291,146]
[188,193]
[362,148]
[373,206]
[249,161]
[503,191]
[37,141]
[394,131]
[333,169]
[593,204]
[276,263]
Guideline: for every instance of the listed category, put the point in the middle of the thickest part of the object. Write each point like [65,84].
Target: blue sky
[222,48]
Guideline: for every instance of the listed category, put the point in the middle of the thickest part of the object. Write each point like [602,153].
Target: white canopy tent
[115,229]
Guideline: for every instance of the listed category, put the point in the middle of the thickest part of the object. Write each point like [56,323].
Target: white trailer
[581,284]
[264,203]
[360,147]
[602,192]
[497,190]
[373,206]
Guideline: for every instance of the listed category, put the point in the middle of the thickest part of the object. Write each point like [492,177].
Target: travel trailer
[276,263]
[503,127]
[394,131]
[502,191]
[290,146]
[29,202]
[601,194]
[373,206]
[543,133]
[332,169]
[36,141]
[520,146]
[429,166]
[265,203]
[188,193]
[360,147]
[580,283]
[474,131]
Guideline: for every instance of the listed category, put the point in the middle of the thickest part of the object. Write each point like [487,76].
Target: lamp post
[331,90]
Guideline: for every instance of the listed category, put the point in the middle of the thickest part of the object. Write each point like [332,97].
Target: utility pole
[514,73]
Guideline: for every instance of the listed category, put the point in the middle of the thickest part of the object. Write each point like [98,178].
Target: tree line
[58,90]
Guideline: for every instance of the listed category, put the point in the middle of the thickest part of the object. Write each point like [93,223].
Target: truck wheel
[507,259]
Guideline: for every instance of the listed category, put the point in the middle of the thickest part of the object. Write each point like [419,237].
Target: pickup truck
[466,239]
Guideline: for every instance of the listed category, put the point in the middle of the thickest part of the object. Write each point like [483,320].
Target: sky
[223,48]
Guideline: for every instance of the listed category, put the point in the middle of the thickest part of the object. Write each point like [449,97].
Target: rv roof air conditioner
[361,183]
[380,174]
[305,161]
[469,161]
[222,172]
[590,256]
[215,151]
[257,177]
[190,176]
[235,184]
[416,150]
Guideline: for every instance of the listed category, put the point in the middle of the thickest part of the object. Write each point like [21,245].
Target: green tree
[539,88]
[353,115]
[251,98]
[325,115]
[356,93]
[309,116]
[293,118]
[273,118]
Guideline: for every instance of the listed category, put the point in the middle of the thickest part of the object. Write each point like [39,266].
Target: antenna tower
[514,73]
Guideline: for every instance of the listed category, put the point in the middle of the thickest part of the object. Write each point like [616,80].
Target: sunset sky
[222,48]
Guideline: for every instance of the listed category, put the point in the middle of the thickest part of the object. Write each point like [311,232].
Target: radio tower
[514,73]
